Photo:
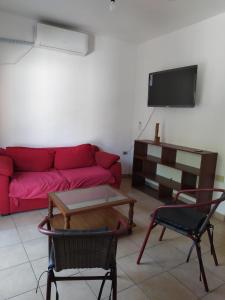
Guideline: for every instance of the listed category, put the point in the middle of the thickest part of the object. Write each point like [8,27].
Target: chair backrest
[208,208]
[79,249]
[83,250]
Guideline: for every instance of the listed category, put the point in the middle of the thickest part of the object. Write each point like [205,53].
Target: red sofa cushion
[6,166]
[105,159]
[31,159]
[2,151]
[86,177]
[74,157]
[30,185]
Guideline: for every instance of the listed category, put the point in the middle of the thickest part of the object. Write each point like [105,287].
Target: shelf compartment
[189,181]
[161,180]
[178,166]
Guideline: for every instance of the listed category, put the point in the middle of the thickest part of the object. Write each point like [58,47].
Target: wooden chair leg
[202,270]
[151,226]
[162,234]
[213,252]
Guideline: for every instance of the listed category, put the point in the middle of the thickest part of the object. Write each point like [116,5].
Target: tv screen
[175,87]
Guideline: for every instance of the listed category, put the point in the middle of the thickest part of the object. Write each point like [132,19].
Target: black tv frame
[194,67]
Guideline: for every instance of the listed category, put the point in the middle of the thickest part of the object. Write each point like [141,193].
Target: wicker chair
[75,249]
[190,220]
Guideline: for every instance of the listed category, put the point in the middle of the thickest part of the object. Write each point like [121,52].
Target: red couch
[27,175]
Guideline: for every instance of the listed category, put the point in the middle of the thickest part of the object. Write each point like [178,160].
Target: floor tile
[27,218]
[219,270]
[76,290]
[139,273]
[9,237]
[17,280]
[41,265]
[188,275]
[133,293]
[37,248]
[166,255]
[6,222]
[123,281]
[218,294]
[164,287]
[12,256]
[32,295]
[126,247]
[29,232]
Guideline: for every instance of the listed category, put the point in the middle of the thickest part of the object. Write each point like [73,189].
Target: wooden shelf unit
[145,167]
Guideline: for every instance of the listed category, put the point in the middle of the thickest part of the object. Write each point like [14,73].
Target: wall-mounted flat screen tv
[174,87]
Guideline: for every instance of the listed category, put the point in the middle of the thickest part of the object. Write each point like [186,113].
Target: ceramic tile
[133,293]
[9,237]
[166,255]
[41,265]
[218,294]
[126,247]
[31,295]
[139,273]
[12,256]
[164,287]
[76,290]
[6,223]
[29,232]
[123,281]
[37,248]
[16,280]
[219,270]
[188,275]
[27,218]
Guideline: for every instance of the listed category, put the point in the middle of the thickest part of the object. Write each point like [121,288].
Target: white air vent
[56,38]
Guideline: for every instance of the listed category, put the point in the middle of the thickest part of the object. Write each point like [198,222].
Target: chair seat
[183,220]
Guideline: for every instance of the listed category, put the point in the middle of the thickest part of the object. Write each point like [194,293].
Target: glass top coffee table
[88,208]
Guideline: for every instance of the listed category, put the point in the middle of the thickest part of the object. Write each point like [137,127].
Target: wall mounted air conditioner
[56,38]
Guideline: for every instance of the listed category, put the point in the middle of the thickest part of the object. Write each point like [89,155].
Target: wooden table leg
[50,208]
[130,217]
[67,222]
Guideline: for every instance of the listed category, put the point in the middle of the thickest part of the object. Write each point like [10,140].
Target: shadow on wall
[91,37]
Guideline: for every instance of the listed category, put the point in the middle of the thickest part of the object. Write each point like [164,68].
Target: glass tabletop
[87,197]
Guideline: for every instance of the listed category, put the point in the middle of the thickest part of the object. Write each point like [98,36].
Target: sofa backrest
[31,159]
[43,159]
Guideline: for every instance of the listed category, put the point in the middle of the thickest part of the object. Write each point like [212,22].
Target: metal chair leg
[213,252]
[190,251]
[114,284]
[151,226]
[49,283]
[162,234]
[202,270]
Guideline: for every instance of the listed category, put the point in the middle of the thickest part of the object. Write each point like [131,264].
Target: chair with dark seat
[190,220]
[78,249]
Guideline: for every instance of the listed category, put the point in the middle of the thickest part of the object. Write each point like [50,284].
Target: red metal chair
[191,220]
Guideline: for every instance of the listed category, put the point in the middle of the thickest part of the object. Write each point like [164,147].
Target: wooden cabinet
[146,166]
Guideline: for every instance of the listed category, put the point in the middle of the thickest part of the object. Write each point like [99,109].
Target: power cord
[142,131]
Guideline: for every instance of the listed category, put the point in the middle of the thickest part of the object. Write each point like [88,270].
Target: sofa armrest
[115,169]
[106,159]
[6,170]
[6,166]
[4,195]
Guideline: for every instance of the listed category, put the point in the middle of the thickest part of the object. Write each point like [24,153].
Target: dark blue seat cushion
[187,220]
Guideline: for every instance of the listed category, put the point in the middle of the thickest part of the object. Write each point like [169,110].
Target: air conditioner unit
[56,38]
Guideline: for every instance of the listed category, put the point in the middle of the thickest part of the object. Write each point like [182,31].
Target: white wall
[52,99]
[202,126]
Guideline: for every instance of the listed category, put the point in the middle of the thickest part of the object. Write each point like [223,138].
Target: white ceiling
[132,20]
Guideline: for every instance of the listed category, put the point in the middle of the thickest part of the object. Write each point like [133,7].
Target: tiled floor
[163,273]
